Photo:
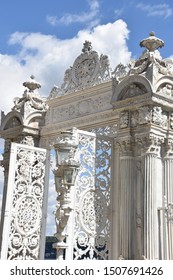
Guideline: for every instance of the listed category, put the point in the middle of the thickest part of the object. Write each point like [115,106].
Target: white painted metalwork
[92,198]
[26,204]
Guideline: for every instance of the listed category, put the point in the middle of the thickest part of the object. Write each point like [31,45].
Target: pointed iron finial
[152,43]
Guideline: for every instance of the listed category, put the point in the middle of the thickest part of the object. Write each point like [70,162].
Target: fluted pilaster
[126,201]
[152,169]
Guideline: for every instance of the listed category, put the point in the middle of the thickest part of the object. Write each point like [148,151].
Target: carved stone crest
[88,69]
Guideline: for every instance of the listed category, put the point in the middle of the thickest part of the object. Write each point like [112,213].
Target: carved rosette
[85,67]
[93,211]
[28,216]
[27,203]
[88,69]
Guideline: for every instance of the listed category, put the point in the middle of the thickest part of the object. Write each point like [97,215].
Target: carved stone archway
[131,108]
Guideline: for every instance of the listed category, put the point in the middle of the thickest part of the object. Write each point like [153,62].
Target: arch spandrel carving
[11,120]
[139,86]
[164,86]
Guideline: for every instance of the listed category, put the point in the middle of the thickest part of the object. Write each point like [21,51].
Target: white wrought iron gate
[26,204]
[89,230]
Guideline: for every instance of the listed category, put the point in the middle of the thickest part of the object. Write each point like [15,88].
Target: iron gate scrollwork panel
[93,203]
[27,203]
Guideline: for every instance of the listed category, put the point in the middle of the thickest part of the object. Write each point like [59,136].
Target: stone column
[152,175]
[126,200]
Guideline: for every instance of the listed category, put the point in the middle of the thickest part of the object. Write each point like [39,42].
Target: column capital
[126,146]
[168,148]
[150,144]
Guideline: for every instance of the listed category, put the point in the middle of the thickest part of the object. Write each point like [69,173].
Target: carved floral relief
[144,115]
[84,107]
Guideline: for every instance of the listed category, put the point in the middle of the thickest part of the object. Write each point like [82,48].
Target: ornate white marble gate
[124,120]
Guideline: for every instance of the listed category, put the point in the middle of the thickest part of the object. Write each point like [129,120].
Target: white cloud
[162,10]
[91,17]
[118,12]
[47,57]
[52,20]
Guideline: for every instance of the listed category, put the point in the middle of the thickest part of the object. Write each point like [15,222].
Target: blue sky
[43,37]
[64,19]
[35,35]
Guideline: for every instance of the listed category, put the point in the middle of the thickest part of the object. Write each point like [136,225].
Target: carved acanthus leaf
[168,148]
[150,144]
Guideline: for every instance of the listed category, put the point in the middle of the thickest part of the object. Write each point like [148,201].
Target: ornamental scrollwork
[27,204]
[108,130]
[88,69]
[25,140]
[92,215]
[81,108]
[28,216]
[120,71]
[145,115]
[31,100]
[93,211]
[159,117]
[166,89]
